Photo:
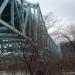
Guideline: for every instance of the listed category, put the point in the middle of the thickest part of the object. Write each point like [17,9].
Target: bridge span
[21,28]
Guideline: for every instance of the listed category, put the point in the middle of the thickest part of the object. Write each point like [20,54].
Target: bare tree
[71,30]
[32,60]
[64,35]
[51,20]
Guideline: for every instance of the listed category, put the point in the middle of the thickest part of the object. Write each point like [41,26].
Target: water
[12,73]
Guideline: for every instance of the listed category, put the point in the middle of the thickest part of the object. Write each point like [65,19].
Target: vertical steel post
[30,24]
[26,19]
[38,23]
[59,51]
[22,14]
[34,25]
[12,13]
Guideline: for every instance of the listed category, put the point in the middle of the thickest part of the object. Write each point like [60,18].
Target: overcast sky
[64,9]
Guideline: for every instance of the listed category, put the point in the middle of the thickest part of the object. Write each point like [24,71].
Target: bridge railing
[49,42]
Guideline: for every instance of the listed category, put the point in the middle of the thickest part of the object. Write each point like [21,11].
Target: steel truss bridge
[21,26]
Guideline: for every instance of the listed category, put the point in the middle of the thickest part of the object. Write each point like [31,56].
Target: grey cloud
[63,8]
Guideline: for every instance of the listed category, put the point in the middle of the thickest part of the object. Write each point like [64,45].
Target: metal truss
[21,23]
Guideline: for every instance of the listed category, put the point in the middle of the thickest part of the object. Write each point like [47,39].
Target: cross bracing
[21,26]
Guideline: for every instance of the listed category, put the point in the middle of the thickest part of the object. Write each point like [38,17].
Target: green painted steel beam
[23,22]
[15,30]
[3,6]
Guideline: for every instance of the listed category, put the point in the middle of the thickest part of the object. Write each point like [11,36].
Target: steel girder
[21,22]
